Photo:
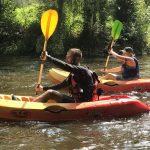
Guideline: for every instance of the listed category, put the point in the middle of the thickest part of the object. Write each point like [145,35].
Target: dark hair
[120,52]
[76,55]
[127,50]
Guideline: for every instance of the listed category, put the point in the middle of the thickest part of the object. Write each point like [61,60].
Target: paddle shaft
[42,64]
[107,60]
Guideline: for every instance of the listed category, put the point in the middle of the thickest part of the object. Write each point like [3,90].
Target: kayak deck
[107,107]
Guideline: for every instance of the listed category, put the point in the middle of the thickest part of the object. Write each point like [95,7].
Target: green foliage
[73,20]
[52,47]
[147,33]
[133,15]
[28,15]
[18,27]
[85,24]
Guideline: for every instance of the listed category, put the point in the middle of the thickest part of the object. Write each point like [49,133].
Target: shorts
[67,99]
[119,77]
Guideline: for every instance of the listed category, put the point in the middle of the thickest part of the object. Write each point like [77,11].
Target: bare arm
[113,70]
[129,60]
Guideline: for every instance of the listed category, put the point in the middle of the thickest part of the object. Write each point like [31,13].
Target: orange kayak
[105,108]
[139,85]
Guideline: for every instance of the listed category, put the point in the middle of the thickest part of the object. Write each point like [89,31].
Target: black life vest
[130,72]
[79,94]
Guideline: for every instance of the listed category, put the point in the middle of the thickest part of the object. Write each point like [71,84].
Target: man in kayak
[129,69]
[81,81]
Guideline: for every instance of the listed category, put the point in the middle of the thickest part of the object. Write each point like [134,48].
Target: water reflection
[19,75]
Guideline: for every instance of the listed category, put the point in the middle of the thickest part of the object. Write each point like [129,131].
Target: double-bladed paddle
[49,21]
[115,33]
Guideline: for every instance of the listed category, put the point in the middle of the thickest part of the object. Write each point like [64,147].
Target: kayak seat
[25,99]
[7,97]
[21,98]
[31,99]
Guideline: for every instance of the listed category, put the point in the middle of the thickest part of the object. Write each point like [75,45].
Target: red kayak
[21,108]
[139,85]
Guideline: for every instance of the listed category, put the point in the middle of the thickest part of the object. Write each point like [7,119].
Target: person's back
[83,84]
[130,72]
[81,80]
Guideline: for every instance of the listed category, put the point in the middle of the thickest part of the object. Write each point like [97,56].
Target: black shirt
[82,76]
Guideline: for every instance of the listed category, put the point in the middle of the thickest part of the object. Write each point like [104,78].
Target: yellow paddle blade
[49,21]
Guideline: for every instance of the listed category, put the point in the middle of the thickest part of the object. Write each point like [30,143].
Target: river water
[18,75]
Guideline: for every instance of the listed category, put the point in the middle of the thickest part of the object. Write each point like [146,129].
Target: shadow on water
[18,75]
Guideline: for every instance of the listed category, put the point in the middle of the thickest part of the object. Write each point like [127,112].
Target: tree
[132,14]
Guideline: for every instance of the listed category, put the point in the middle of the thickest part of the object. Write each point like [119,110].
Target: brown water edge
[18,75]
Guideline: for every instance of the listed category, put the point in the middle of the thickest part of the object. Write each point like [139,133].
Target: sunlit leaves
[73,20]
[83,23]
[27,15]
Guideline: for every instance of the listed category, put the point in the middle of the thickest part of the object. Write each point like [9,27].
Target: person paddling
[81,81]
[129,68]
